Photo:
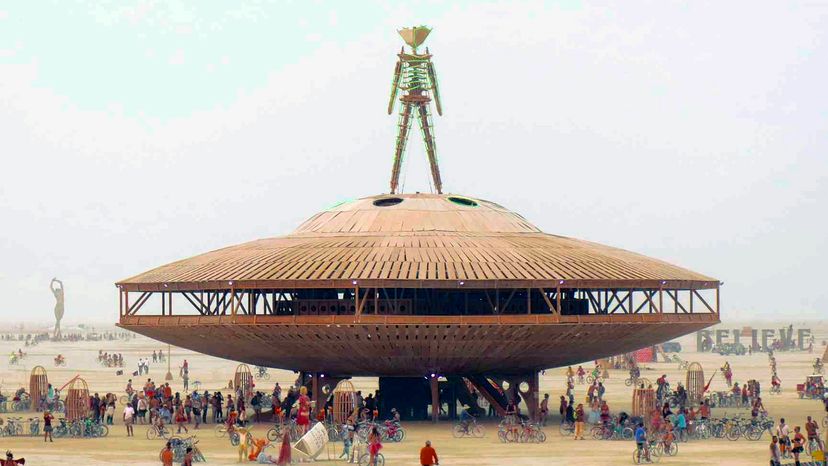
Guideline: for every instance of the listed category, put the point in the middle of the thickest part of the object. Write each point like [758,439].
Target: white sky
[692,132]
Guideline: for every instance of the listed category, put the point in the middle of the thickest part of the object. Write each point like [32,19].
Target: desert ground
[214,373]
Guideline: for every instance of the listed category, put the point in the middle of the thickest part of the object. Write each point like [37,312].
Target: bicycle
[594,378]
[531,433]
[467,429]
[567,428]
[260,373]
[650,452]
[34,426]
[221,432]
[154,432]
[179,447]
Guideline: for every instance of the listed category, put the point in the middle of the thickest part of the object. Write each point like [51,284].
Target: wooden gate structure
[77,400]
[38,386]
[694,384]
[344,401]
[644,400]
[243,380]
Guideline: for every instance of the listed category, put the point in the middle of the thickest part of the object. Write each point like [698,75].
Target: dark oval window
[387,201]
[463,201]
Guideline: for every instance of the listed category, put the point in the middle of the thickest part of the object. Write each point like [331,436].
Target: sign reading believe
[767,335]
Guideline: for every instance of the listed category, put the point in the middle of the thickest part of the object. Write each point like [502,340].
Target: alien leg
[402,138]
[431,149]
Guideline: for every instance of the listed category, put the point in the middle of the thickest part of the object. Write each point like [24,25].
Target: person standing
[812,428]
[798,444]
[775,455]
[167,455]
[544,409]
[47,426]
[303,416]
[129,418]
[186,379]
[784,436]
[205,403]
[428,456]
[188,457]
[110,413]
[579,421]
[142,408]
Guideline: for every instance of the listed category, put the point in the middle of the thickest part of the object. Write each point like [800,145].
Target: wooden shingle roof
[417,240]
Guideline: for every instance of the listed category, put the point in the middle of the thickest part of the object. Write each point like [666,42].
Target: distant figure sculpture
[58,292]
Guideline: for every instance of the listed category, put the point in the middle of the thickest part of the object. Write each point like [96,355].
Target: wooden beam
[548,301]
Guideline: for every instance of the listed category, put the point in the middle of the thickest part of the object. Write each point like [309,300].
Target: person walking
[428,456]
[129,418]
[181,419]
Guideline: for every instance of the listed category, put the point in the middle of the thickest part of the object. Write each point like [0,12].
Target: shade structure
[410,284]
[344,401]
[694,383]
[38,386]
[77,400]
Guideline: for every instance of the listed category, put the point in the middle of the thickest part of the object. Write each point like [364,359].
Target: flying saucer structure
[413,285]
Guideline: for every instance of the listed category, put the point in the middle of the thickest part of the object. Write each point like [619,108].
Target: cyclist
[581,373]
[465,418]
[641,442]
[776,384]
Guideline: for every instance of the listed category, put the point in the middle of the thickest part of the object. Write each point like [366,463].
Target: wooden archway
[344,402]
[644,399]
[77,400]
[694,384]
[243,380]
[38,386]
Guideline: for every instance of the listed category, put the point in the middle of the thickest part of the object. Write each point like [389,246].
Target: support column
[315,389]
[533,397]
[435,399]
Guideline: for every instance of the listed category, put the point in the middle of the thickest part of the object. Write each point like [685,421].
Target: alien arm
[432,76]
[395,86]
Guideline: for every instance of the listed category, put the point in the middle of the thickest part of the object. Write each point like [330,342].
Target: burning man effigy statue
[416,80]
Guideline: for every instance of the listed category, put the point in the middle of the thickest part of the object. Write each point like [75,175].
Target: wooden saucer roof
[417,240]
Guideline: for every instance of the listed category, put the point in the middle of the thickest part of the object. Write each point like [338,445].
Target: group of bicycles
[17,426]
[179,447]
[81,428]
[509,431]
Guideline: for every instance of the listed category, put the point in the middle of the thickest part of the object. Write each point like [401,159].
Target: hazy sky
[136,133]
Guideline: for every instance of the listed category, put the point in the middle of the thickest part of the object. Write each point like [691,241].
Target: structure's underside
[408,346]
